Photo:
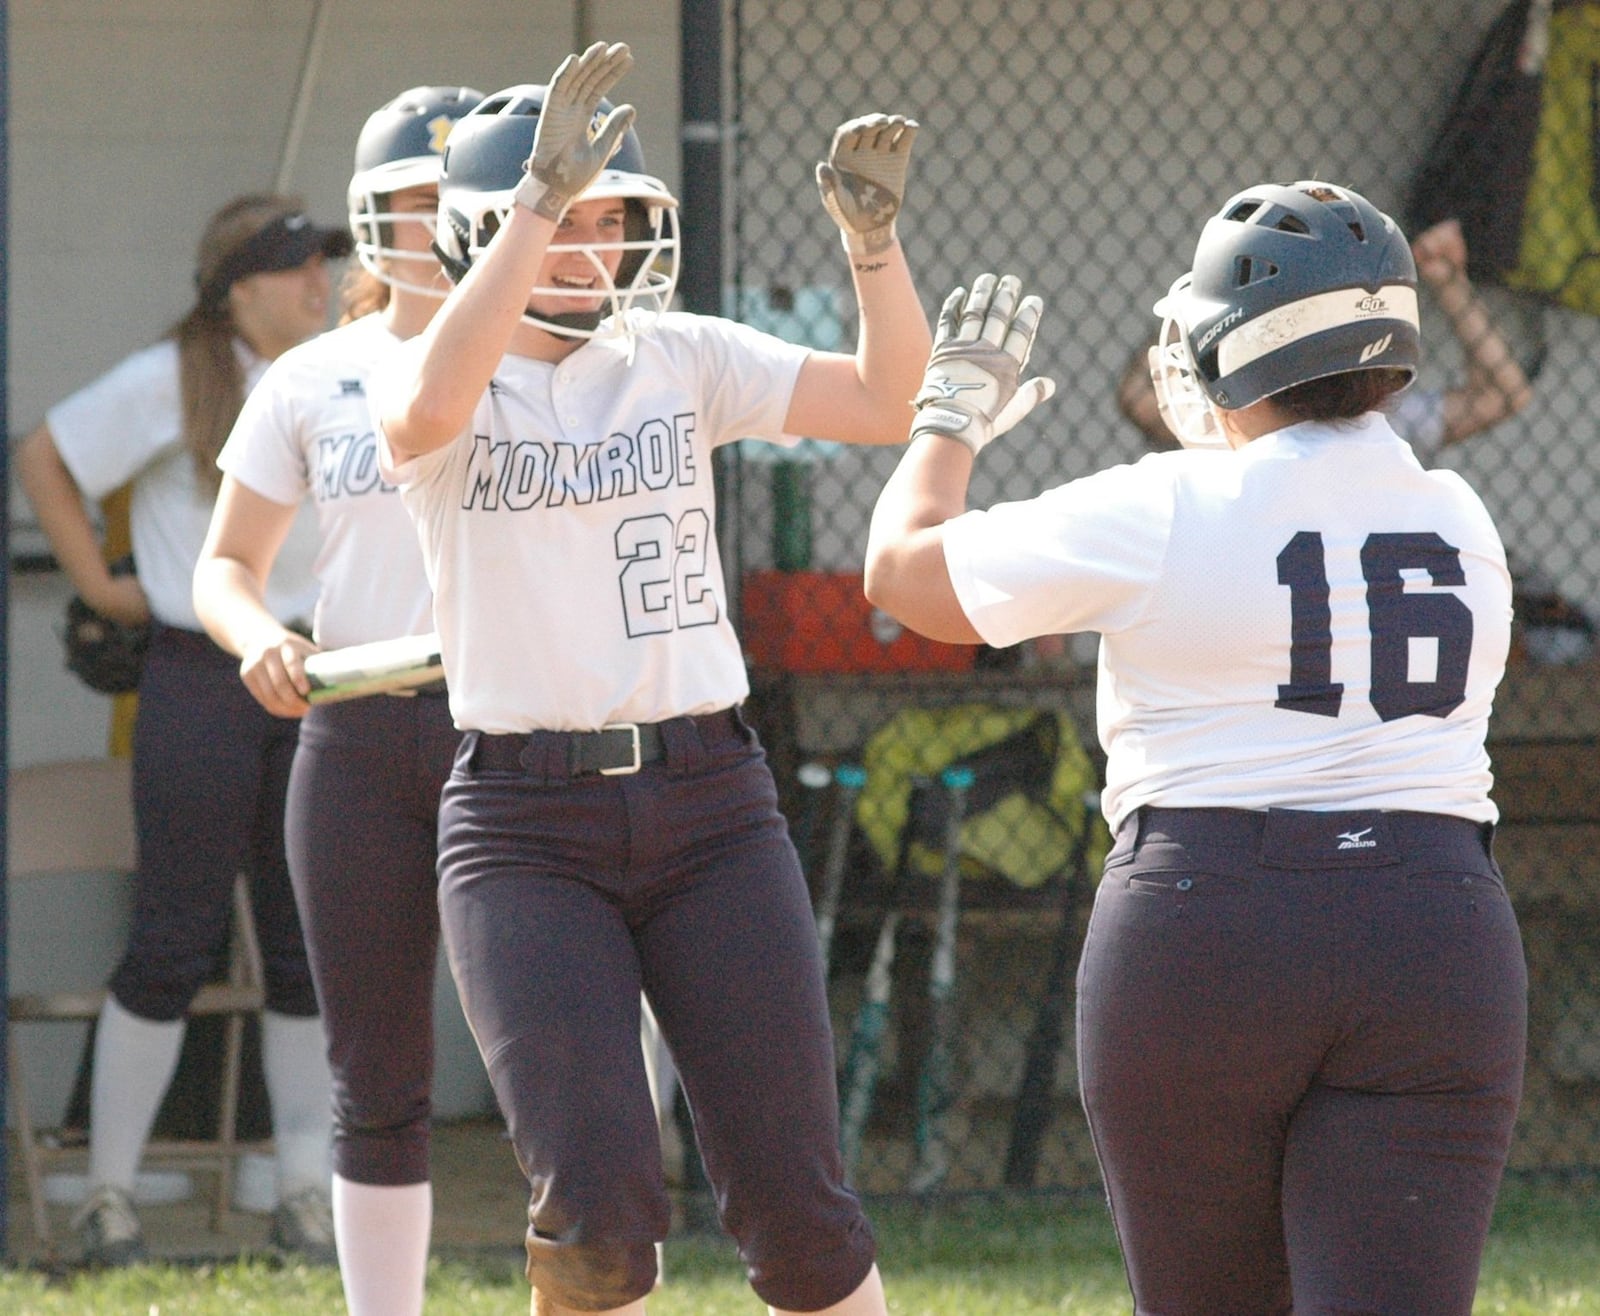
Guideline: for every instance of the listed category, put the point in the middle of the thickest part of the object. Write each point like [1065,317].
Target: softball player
[1492,389]
[210,768]
[1301,1000]
[611,823]
[364,789]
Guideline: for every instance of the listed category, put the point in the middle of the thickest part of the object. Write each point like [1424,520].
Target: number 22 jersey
[1312,621]
[570,536]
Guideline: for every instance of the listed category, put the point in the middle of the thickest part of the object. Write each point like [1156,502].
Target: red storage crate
[819,621]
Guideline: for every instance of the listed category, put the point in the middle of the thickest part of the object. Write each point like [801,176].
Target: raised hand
[971,391]
[569,149]
[1440,252]
[863,180]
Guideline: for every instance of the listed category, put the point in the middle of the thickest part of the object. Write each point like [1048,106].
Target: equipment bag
[1518,158]
[1027,805]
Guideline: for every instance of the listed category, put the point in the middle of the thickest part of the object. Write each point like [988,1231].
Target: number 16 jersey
[1313,621]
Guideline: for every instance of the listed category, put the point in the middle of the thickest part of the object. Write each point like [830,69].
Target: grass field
[1024,1257]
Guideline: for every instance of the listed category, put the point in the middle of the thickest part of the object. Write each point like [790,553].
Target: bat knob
[957,778]
[813,775]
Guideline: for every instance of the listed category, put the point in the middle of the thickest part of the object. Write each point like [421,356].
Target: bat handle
[813,778]
[850,780]
[956,782]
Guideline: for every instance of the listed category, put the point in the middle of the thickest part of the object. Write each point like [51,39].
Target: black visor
[285,243]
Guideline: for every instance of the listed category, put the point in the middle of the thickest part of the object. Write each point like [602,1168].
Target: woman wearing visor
[210,765]
[1302,997]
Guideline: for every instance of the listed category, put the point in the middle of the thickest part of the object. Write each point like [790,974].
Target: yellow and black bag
[1027,807]
[1517,160]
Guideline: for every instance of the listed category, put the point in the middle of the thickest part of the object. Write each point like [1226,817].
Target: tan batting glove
[971,392]
[569,148]
[863,180]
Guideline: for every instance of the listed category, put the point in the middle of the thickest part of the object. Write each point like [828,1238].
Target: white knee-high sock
[294,1060]
[134,1060]
[382,1233]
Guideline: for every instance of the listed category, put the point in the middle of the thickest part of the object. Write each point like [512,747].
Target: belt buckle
[627,768]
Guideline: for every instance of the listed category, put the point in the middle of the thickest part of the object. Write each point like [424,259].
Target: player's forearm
[1492,368]
[905,571]
[231,604]
[58,503]
[892,343]
[462,346]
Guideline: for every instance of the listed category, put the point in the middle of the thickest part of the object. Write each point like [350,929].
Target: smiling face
[275,310]
[580,269]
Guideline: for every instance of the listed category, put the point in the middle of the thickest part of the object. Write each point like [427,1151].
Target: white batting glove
[863,180]
[971,392]
[569,149]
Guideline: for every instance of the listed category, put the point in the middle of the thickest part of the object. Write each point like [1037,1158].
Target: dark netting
[1081,145]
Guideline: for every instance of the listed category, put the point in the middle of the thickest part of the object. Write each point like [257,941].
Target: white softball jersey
[306,430]
[128,425]
[570,535]
[1312,622]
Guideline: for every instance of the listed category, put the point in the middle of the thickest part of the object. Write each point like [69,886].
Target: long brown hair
[210,377]
[361,293]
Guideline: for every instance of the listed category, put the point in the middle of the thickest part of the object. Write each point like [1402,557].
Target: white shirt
[1200,568]
[306,429]
[128,425]
[570,534]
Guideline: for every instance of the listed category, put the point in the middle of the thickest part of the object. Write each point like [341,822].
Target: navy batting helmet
[401,145]
[483,165]
[1289,284]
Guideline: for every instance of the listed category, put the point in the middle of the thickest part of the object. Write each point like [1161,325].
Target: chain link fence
[1081,144]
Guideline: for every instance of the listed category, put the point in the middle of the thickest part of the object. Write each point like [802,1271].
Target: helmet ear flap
[455,270]
[452,245]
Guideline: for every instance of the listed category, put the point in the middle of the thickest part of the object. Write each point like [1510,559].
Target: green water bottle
[791,516]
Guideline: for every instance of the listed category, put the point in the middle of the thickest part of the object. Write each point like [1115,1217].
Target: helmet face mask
[1289,284]
[401,147]
[483,167]
[1183,403]
[378,252]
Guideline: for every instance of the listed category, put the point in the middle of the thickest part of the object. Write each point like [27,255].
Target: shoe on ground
[303,1226]
[109,1230]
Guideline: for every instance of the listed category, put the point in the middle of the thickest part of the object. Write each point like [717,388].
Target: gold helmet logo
[439,127]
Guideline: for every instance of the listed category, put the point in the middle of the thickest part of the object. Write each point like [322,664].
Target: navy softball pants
[210,773]
[1301,1042]
[561,897]
[362,831]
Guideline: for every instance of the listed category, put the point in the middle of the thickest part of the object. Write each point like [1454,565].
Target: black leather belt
[611,751]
